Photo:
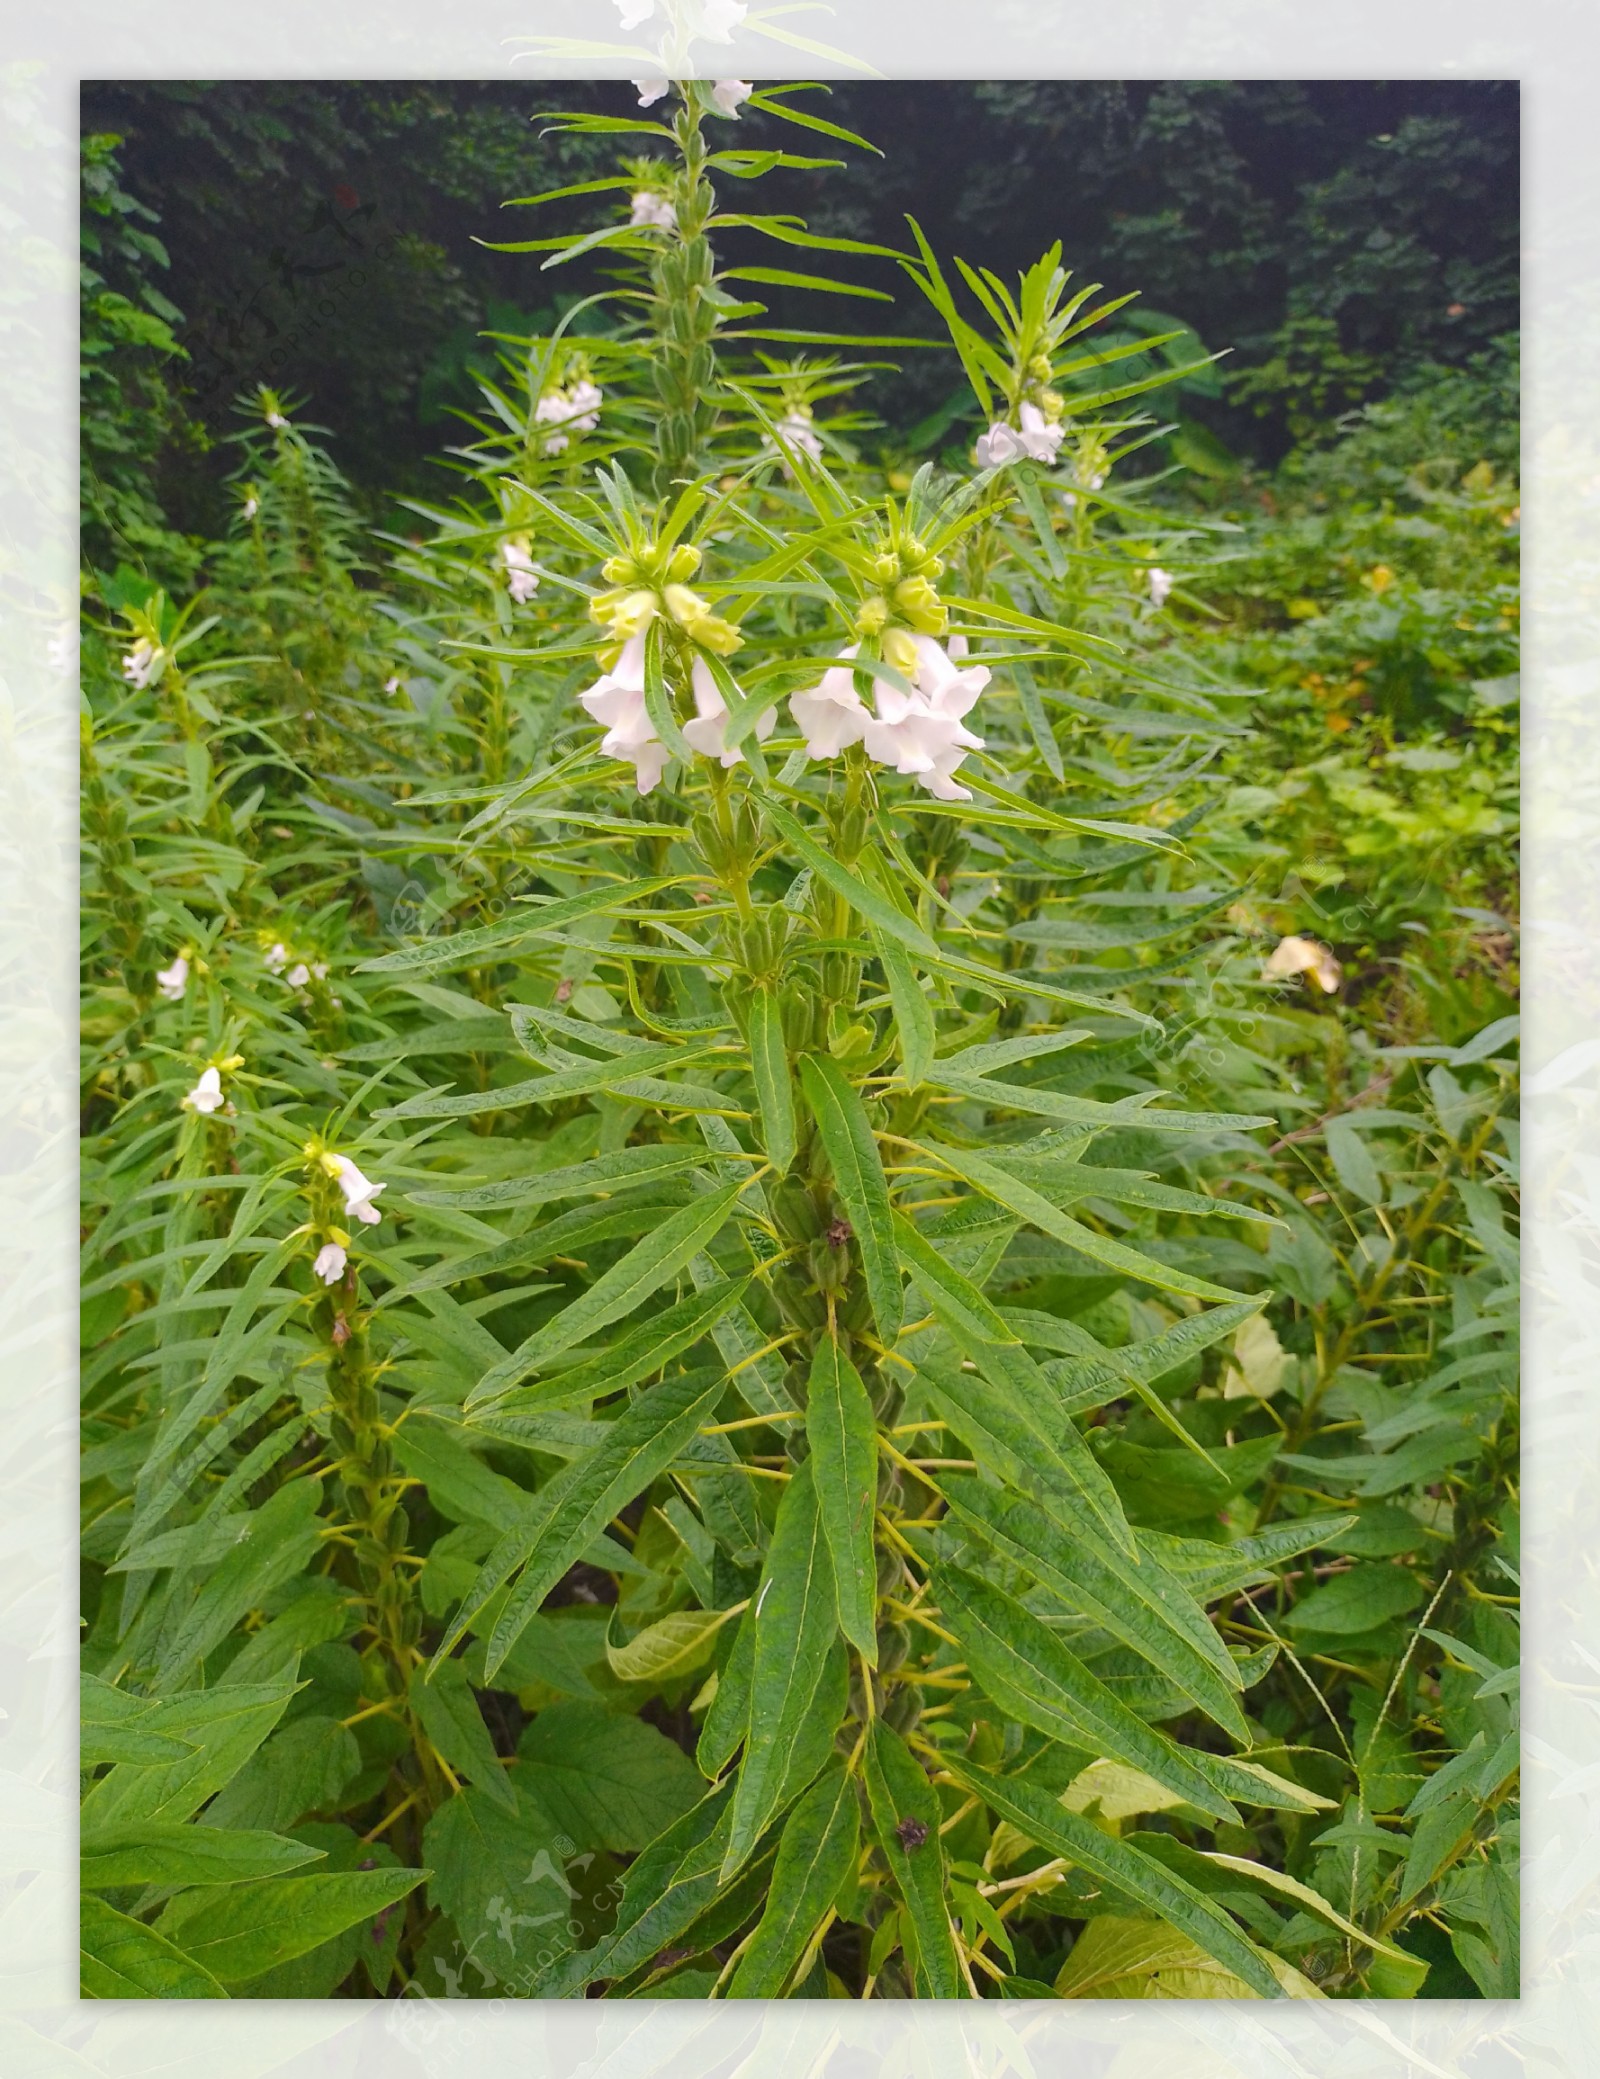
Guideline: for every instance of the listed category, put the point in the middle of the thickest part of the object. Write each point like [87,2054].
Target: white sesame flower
[140,662]
[173,980]
[653,212]
[276,957]
[1000,445]
[719,19]
[633,12]
[705,732]
[585,398]
[1036,439]
[728,93]
[330,1263]
[206,1096]
[1039,437]
[359,1191]
[617,699]
[797,429]
[251,507]
[1302,956]
[650,90]
[522,580]
[831,715]
[320,969]
[277,421]
[1160,583]
[921,733]
[298,975]
[391,685]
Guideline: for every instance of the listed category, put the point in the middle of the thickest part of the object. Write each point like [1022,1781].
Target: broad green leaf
[617,1291]
[674,1645]
[569,1514]
[913,1013]
[634,1355]
[843,1435]
[244,1929]
[500,1879]
[167,1852]
[1126,1959]
[1033,1673]
[816,1857]
[122,1959]
[223,1727]
[796,1622]
[1030,1205]
[769,1063]
[1037,1815]
[1355,1601]
[858,1174]
[304,1767]
[906,1820]
[607,1780]
[1142,1612]
[865,901]
[448,1713]
[284,1533]
[1352,1162]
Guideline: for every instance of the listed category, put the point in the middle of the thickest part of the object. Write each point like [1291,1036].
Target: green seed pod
[894,1643]
[904,1708]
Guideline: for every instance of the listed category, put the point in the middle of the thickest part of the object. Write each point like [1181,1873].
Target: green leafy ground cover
[793,1384]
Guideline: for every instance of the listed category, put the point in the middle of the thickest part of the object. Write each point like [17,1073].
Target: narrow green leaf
[913,1013]
[607,1173]
[581,1079]
[951,1295]
[769,1063]
[1035,1813]
[796,1622]
[658,697]
[154,1851]
[536,921]
[616,1292]
[843,1436]
[865,901]
[858,1172]
[634,1356]
[816,1856]
[1084,1111]
[906,1819]
[449,1715]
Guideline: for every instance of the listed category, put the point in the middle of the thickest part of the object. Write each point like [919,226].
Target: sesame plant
[682,1387]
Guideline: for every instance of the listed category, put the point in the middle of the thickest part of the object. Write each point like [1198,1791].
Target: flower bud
[886,568]
[900,650]
[683,562]
[914,595]
[713,633]
[683,605]
[1039,369]
[872,616]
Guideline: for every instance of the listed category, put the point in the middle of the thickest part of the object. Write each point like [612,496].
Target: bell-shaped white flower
[1036,439]
[921,733]
[522,580]
[298,975]
[650,90]
[330,1263]
[653,212]
[798,430]
[359,1191]
[276,957]
[1302,956]
[206,1096]
[728,93]
[140,662]
[1000,445]
[173,980]
[1041,440]
[1160,583]
[705,733]
[617,699]
[831,715]
[719,19]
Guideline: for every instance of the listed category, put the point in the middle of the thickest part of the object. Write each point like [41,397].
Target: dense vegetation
[860,1340]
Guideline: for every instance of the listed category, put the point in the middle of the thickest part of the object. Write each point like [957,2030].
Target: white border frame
[1552,2031]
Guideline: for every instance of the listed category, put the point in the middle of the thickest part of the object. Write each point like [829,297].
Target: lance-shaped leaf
[496,941]
[795,1624]
[1085,1111]
[843,1436]
[1036,1814]
[858,1173]
[865,901]
[816,1856]
[953,1297]
[658,696]
[633,1356]
[121,1959]
[1013,1421]
[906,1819]
[616,1292]
[913,1013]
[769,1065]
[449,1715]
[568,1514]
[1212,1872]
[1140,1616]
[247,1929]
[614,1172]
[578,1079]
[1035,1676]
[1030,1205]
[164,1851]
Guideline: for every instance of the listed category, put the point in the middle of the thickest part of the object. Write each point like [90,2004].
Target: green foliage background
[335,1742]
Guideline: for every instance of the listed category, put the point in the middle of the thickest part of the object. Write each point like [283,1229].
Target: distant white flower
[1302,956]
[251,507]
[1036,438]
[573,411]
[617,699]
[298,975]
[391,685]
[920,733]
[206,1096]
[276,957]
[728,93]
[522,580]
[330,1263]
[719,19]
[797,428]
[633,12]
[1161,583]
[173,980]
[359,1191]
[276,420]
[653,212]
[320,969]
[705,732]
[61,651]
[713,19]
[140,662]
[650,90]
